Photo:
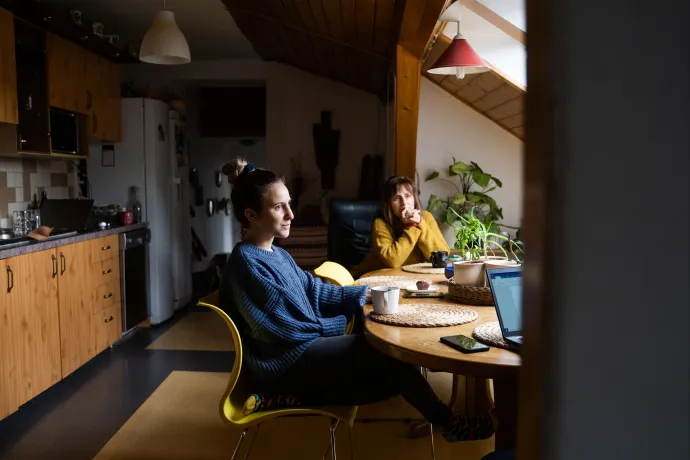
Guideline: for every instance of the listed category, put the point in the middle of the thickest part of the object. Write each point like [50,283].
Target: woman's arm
[263,304]
[431,238]
[391,251]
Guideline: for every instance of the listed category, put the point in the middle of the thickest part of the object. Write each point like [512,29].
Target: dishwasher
[134,284]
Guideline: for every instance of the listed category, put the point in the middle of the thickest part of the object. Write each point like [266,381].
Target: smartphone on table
[464,344]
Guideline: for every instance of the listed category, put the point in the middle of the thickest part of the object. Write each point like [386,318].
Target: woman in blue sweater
[293,325]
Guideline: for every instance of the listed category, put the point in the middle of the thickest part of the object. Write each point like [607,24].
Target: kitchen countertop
[50,244]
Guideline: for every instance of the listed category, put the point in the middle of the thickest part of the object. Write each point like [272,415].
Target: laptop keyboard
[517,339]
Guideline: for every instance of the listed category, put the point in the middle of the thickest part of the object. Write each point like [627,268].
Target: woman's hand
[411,217]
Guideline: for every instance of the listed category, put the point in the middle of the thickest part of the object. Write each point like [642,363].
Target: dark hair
[249,187]
[390,188]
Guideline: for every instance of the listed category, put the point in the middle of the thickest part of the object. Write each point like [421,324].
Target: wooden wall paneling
[365,12]
[395,27]
[408,73]
[347,10]
[383,22]
[306,14]
[418,22]
[319,15]
[507,109]
[513,121]
[292,13]
[497,97]
[470,93]
[8,70]
[334,19]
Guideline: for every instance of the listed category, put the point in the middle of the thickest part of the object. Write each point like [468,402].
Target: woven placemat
[490,334]
[427,315]
[397,281]
[424,268]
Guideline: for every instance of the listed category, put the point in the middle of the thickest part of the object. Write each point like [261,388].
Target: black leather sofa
[349,230]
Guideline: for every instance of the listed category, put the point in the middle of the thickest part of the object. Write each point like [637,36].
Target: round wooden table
[422,347]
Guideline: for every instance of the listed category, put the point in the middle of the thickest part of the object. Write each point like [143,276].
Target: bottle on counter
[136,204]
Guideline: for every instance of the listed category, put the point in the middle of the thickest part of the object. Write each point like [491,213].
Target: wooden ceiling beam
[419,19]
[495,19]
[313,33]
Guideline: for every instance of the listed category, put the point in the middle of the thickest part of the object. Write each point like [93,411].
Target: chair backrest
[232,401]
[334,273]
[349,230]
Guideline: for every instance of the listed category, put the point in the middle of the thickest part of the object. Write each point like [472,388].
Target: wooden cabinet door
[8,70]
[112,112]
[33,311]
[9,398]
[76,311]
[95,76]
[67,75]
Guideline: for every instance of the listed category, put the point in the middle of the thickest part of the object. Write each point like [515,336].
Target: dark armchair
[349,230]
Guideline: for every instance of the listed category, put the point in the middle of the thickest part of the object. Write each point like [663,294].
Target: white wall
[448,128]
[294,102]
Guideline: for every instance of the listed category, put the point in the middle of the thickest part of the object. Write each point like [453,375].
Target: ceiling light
[164,42]
[459,58]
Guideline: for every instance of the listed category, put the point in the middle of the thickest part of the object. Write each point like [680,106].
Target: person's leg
[346,370]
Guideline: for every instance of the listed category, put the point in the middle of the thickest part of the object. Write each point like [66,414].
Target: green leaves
[458,199]
[432,176]
[435,203]
[480,178]
[460,168]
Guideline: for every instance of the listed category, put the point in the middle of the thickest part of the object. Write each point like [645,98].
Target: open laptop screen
[506,285]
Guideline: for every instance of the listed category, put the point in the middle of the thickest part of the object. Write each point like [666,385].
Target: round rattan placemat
[425,268]
[490,334]
[397,281]
[470,295]
[427,315]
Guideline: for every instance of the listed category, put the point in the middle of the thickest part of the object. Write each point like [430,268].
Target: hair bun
[234,169]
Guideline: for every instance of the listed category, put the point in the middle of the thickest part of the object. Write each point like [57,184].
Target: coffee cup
[385,299]
[439,259]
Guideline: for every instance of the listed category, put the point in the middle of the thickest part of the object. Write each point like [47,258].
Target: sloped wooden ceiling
[350,41]
[489,93]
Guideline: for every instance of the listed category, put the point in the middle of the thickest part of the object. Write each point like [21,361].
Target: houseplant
[473,186]
[477,244]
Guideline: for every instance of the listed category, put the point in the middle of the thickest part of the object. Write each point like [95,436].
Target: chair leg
[239,443]
[331,444]
[431,438]
[352,446]
[251,444]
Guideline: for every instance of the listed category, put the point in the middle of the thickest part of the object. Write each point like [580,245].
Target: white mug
[385,299]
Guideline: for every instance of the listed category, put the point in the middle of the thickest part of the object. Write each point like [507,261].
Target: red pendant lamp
[459,58]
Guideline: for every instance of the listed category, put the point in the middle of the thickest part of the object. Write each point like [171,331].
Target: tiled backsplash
[20,180]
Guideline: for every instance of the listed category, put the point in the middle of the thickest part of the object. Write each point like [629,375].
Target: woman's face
[276,216]
[403,199]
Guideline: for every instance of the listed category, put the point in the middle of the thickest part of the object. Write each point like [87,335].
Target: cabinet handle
[108,295]
[89,100]
[105,248]
[107,272]
[63,263]
[10,279]
[55,265]
[109,319]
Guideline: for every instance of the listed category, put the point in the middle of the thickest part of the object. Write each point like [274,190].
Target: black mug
[439,259]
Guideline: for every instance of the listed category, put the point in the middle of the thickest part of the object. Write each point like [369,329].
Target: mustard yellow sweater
[413,246]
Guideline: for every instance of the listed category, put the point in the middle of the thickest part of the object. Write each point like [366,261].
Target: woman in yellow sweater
[405,234]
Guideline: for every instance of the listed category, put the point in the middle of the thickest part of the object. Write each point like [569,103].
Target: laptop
[65,216]
[506,289]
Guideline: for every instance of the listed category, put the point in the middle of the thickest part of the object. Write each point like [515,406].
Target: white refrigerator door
[157,137]
[180,220]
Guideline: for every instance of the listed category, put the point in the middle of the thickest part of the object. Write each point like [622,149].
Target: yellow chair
[237,392]
[335,274]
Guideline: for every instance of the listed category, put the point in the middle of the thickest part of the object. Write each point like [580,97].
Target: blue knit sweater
[280,309]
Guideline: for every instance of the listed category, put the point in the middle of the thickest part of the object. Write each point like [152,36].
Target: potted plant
[478,245]
[473,186]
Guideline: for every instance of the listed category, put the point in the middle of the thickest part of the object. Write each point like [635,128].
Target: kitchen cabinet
[33,129]
[8,70]
[58,309]
[31,312]
[86,83]
[75,297]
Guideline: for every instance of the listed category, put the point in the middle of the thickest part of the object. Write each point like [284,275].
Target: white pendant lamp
[164,42]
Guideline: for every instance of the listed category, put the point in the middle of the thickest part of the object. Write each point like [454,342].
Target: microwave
[66,132]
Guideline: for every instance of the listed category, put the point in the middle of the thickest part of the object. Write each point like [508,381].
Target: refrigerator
[147,158]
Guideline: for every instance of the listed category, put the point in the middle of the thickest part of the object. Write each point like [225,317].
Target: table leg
[506,396]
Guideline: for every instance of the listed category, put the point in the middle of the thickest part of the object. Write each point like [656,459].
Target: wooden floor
[138,401]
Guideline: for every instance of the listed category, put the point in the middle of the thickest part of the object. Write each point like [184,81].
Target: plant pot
[502,263]
[468,273]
